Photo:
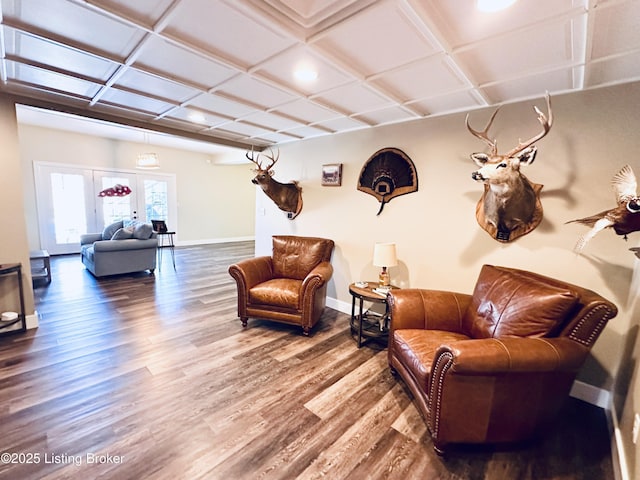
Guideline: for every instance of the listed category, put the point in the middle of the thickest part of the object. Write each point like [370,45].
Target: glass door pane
[64,209]
[156,200]
[116,197]
[69,212]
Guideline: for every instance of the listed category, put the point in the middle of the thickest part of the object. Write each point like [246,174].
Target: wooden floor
[141,376]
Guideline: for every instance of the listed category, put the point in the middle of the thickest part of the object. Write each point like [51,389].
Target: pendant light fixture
[147,161]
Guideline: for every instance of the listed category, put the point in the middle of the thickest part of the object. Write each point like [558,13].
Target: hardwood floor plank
[157,370]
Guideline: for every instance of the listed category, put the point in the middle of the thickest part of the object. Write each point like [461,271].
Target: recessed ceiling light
[197,117]
[305,73]
[493,5]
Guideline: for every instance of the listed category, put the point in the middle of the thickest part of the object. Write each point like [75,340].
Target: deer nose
[477,176]
[254,181]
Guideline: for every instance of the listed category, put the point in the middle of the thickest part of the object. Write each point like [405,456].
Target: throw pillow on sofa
[141,231]
[109,230]
[123,234]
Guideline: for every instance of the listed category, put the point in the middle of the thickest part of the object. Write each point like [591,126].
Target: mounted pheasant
[624,219]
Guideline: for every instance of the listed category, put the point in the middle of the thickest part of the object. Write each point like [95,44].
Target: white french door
[116,197]
[74,200]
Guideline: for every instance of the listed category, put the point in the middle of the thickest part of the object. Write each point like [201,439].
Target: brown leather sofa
[290,286]
[495,366]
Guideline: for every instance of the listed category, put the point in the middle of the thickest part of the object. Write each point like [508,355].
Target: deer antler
[546,126]
[252,159]
[273,160]
[484,134]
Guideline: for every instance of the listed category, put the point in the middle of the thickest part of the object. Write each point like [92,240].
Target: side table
[40,265]
[15,270]
[367,325]
[170,245]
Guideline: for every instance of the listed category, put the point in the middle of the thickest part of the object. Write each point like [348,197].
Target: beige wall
[15,247]
[439,242]
[205,189]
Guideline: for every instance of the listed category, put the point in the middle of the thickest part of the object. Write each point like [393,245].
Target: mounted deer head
[510,205]
[287,196]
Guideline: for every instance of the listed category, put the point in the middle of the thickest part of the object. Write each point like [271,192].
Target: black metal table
[368,325]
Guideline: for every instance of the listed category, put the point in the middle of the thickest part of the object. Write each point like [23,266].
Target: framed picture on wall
[332,174]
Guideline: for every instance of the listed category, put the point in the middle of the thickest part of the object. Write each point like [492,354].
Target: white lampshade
[148,161]
[384,255]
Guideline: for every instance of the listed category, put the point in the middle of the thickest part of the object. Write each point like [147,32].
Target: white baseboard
[207,241]
[620,467]
[339,305]
[33,320]
[590,394]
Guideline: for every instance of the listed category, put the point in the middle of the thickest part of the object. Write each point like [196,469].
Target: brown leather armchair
[290,286]
[495,366]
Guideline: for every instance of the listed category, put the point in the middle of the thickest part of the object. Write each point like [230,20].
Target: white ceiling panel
[306,111]
[447,103]
[611,70]
[155,86]
[216,26]
[217,104]
[308,13]
[245,129]
[341,124]
[616,29]
[274,121]
[436,76]
[74,23]
[503,58]
[197,117]
[190,67]
[354,97]
[384,116]
[135,101]
[530,87]
[462,24]
[221,70]
[51,80]
[308,132]
[147,12]
[282,69]
[252,91]
[35,50]
[272,138]
[380,38]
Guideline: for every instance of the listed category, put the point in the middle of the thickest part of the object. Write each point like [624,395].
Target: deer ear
[479,158]
[272,173]
[528,155]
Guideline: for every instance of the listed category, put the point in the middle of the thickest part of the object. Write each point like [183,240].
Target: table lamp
[384,255]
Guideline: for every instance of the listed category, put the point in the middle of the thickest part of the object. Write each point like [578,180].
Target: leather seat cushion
[280,292]
[415,348]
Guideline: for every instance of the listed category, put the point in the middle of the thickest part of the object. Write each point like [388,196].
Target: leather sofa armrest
[427,309]
[252,271]
[128,244]
[90,238]
[320,274]
[511,355]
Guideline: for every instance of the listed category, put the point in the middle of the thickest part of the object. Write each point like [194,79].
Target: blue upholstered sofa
[122,247]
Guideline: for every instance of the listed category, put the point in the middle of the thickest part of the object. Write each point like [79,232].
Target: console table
[7,271]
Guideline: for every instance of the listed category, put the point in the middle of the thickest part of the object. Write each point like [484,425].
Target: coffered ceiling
[223,70]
